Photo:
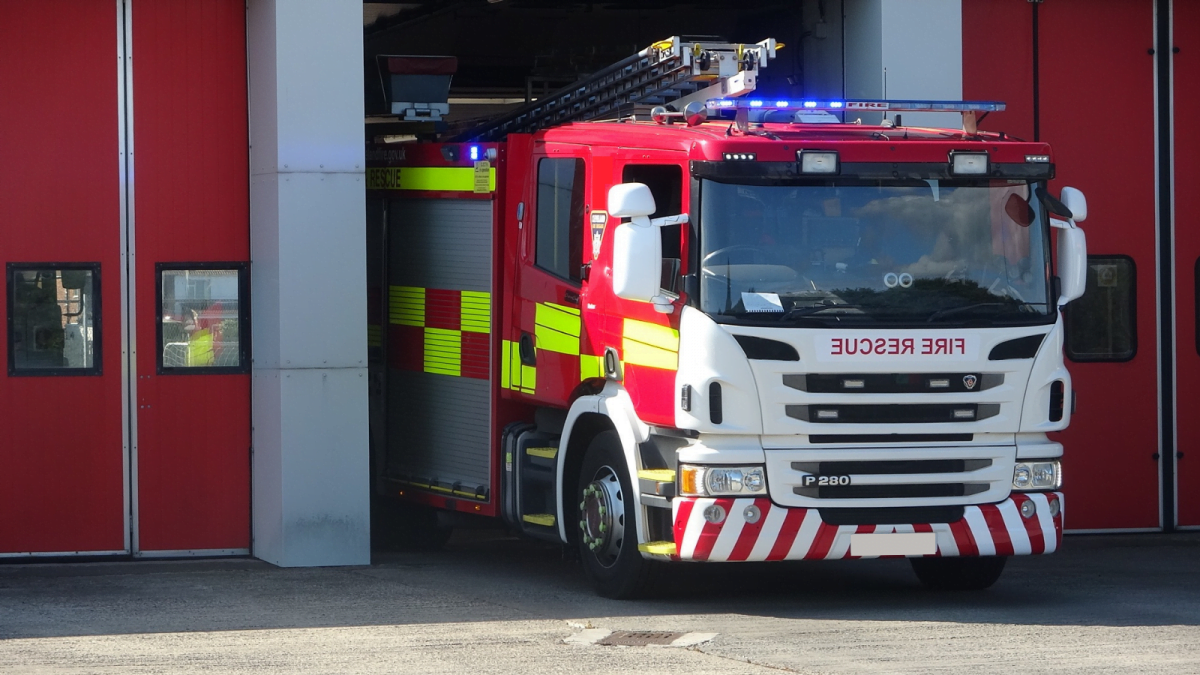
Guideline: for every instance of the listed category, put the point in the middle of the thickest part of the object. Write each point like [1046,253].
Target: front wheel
[608,540]
[958,574]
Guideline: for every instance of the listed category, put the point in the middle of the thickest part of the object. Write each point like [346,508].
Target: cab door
[542,360]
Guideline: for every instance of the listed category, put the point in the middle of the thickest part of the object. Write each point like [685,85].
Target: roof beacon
[718,104]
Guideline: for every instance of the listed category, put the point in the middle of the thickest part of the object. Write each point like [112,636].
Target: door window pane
[666,185]
[53,319]
[1100,325]
[560,217]
[203,319]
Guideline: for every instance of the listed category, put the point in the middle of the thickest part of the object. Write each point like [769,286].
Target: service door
[62,462]
[1186,208]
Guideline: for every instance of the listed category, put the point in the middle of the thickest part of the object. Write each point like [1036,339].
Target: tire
[607,536]
[958,574]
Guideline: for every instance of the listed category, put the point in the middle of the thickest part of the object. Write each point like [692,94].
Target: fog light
[751,514]
[1055,507]
[1028,509]
[715,514]
[1037,475]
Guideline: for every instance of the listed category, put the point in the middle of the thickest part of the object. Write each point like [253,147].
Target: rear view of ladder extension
[673,71]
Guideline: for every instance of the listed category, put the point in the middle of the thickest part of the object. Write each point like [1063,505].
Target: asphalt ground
[489,603]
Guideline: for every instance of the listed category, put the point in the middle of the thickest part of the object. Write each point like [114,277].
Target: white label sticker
[869,544]
[891,346]
[762,302]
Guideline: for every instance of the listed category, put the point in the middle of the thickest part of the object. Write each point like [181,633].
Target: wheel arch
[589,416]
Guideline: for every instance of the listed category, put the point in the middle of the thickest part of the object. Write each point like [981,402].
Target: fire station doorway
[1133,448]
[125,404]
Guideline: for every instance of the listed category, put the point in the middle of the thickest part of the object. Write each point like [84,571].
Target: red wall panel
[998,62]
[1093,51]
[1186,70]
[192,205]
[61,470]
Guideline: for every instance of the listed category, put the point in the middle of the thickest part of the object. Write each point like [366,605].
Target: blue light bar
[859,105]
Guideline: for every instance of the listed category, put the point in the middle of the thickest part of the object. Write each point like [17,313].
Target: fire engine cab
[726,329]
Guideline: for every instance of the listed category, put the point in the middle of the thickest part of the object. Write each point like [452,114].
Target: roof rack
[672,71]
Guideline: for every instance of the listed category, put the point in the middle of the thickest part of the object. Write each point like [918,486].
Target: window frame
[1133,326]
[97,367]
[581,165]
[244,317]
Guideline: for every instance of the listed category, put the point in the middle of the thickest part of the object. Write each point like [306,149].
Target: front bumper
[783,533]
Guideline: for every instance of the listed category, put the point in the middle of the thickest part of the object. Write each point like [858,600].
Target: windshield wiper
[966,308]
[812,309]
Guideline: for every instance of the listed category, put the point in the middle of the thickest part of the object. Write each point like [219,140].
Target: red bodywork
[607,148]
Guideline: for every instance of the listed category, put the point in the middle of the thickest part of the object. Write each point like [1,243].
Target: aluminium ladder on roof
[671,71]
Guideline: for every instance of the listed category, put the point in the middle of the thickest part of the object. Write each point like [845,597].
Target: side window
[53,319]
[1101,325]
[203,318]
[560,197]
[666,184]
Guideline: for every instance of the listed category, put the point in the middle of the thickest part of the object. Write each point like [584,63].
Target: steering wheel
[756,250]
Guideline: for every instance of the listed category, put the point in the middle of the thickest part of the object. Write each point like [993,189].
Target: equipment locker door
[1185,69]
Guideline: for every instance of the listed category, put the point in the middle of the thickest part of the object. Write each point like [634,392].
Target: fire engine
[729,328]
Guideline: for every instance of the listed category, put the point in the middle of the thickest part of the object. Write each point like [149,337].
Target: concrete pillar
[905,50]
[307,240]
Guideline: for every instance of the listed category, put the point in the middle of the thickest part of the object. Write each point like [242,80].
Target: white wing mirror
[1075,201]
[630,200]
[1072,264]
[637,245]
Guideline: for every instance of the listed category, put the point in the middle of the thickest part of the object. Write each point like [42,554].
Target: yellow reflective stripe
[374,335]
[514,374]
[655,335]
[476,311]
[652,345]
[557,328]
[528,379]
[543,519]
[590,366]
[658,548]
[505,364]
[554,341]
[443,351]
[638,354]
[558,317]
[441,178]
[406,305]
[544,453]
[657,475]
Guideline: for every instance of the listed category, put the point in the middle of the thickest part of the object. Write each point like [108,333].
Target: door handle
[526,350]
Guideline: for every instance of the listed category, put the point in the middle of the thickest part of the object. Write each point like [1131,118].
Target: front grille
[870,439]
[900,491]
[893,383]
[918,413]
[895,466]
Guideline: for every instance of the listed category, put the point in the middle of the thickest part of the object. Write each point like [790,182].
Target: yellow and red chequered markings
[439,331]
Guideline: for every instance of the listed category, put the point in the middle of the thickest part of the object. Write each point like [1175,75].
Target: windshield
[879,252]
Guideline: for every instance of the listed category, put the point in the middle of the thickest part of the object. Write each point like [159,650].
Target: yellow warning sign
[483,176]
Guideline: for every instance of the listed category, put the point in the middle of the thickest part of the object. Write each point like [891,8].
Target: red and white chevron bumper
[735,532]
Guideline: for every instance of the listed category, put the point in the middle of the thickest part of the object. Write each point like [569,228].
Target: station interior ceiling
[510,51]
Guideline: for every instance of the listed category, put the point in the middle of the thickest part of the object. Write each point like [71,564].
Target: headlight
[1037,475]
[711,481]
